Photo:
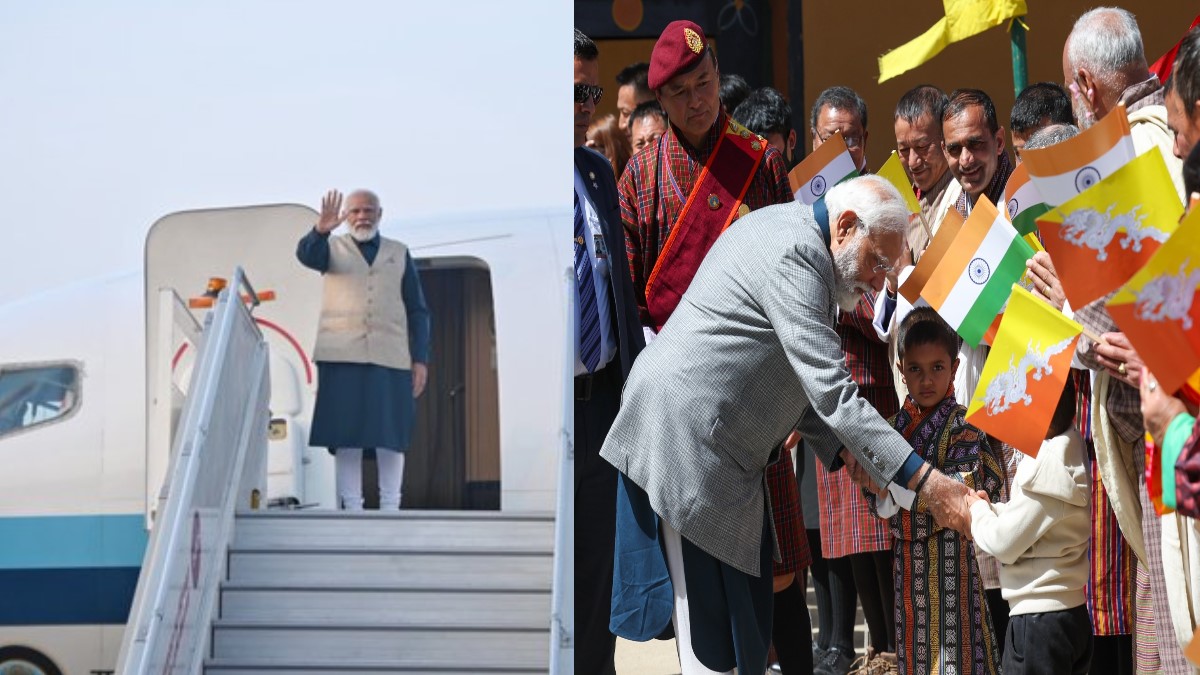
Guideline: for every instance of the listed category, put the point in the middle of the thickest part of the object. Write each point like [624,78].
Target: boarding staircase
[231,588]
[414,592]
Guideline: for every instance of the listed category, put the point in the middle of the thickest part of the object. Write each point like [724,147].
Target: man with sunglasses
[607,338]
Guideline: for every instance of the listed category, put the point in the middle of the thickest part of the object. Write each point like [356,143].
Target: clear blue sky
[115,114]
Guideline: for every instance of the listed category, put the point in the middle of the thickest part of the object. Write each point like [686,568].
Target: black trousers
[877,594]
[998,608]
[1053,643]
[596,405]
[1112,655]
[833,581]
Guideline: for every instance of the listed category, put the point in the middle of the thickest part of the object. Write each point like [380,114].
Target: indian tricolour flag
[1065,169]
[1022,201]
[827,166]
[975,276]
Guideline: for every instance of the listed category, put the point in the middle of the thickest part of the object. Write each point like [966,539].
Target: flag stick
[925,224]
[1020,72]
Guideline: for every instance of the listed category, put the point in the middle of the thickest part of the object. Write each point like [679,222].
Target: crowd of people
[755,402]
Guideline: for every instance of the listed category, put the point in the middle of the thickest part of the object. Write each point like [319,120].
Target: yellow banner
[964,19]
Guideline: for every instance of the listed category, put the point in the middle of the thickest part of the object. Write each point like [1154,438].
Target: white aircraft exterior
[82,385]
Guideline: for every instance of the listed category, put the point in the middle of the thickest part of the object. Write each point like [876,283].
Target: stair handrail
[166,393]
[562,599]
[218,464]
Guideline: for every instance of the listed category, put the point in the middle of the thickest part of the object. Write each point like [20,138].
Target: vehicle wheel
[25,661]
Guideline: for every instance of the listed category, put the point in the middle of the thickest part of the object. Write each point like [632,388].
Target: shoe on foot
[836,662]
[819,653]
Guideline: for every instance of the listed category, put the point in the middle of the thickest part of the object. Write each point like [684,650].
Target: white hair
[879,207]
[1107,42]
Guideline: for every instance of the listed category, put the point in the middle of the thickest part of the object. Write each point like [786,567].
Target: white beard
[361,235]
[847,289]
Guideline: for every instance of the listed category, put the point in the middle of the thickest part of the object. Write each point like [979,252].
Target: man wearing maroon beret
[700,176]
[677,195]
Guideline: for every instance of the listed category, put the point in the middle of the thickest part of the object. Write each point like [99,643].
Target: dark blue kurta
[364,405]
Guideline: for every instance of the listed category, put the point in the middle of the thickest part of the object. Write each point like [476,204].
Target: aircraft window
[36,395]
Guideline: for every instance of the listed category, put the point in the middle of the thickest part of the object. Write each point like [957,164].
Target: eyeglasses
[851,141]
[883,267]
[583,91]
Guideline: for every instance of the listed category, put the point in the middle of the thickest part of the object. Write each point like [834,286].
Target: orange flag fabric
[1025,372]
[1158,308]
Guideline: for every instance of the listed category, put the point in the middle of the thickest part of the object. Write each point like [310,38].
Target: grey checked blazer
[749,354]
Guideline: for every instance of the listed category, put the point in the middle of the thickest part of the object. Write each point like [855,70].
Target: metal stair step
[482,608]
[417,529]
[290,667]
[350,644]
[306,566]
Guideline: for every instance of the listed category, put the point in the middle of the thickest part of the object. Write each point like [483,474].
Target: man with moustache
[677,196]
[973,143]
[607,339]
[749,355]
[657,189]
[372,345]
[1104,65]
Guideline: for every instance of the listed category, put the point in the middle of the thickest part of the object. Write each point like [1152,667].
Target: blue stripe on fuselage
[79,595]
[35,542]
[69,569]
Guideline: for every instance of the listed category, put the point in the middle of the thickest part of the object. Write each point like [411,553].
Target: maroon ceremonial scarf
[712,205]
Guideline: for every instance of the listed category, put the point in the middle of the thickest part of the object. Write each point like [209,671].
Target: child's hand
[982,494]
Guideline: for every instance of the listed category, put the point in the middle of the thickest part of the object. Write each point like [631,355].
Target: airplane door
[183,251]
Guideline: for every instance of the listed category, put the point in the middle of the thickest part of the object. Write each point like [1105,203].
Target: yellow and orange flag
[1101,237]
[893,172]
[1158,309]
[1025,372]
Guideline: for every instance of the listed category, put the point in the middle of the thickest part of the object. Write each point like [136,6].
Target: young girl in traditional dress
[942,620]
